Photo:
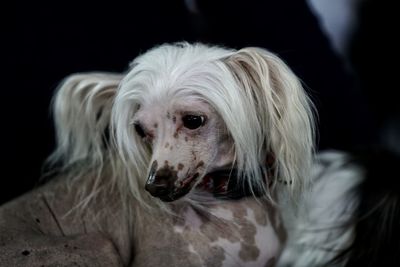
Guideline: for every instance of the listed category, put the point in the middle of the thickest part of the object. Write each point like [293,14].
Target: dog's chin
[185,186]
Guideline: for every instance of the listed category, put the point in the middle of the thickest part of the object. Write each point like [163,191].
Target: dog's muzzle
[161,183]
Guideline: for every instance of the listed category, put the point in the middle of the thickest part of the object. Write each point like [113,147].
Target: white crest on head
[279,117]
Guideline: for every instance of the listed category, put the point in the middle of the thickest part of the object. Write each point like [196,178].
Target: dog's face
[188,139]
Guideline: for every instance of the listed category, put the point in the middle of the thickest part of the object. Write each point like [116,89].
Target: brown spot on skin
[218,257]
[249,252]
[239,213]
[176,135]
[186,138]
[261,218]
[226,230]
[37,220]
[155,125]
[200,164]
[167,172]
[180,166]
[167,145]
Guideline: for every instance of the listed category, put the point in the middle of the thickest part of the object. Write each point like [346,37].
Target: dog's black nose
[159,182]
[158,189]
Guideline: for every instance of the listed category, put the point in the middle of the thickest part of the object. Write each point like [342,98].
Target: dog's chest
[237,233]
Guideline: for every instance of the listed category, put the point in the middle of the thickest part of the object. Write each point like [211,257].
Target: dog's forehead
[148,112]
[173,106]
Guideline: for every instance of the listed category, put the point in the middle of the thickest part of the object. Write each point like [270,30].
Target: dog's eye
[139,130]
[193,121]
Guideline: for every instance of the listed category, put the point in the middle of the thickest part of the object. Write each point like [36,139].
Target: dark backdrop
[44,42]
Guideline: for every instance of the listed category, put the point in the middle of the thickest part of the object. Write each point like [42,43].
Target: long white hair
[261,101]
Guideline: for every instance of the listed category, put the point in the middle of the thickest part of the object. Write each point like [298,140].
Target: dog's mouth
[184,188]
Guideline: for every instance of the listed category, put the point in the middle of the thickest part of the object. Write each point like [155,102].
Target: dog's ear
[284,111]
[81,110]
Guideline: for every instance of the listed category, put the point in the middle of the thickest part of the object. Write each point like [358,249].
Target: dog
[196,156]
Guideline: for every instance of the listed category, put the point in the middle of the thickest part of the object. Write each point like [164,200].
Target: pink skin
[184,155]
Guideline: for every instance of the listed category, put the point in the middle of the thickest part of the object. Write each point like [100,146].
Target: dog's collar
[227,185]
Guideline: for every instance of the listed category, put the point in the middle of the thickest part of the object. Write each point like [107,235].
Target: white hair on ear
[279,118]
[81,111]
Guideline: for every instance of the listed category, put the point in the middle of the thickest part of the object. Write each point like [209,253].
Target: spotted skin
[230,233]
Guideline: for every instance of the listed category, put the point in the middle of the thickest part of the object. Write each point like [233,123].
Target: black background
[44,42]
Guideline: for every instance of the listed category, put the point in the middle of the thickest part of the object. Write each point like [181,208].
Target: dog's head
[187,111]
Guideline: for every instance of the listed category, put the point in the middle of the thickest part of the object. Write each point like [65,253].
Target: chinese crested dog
[197,156]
